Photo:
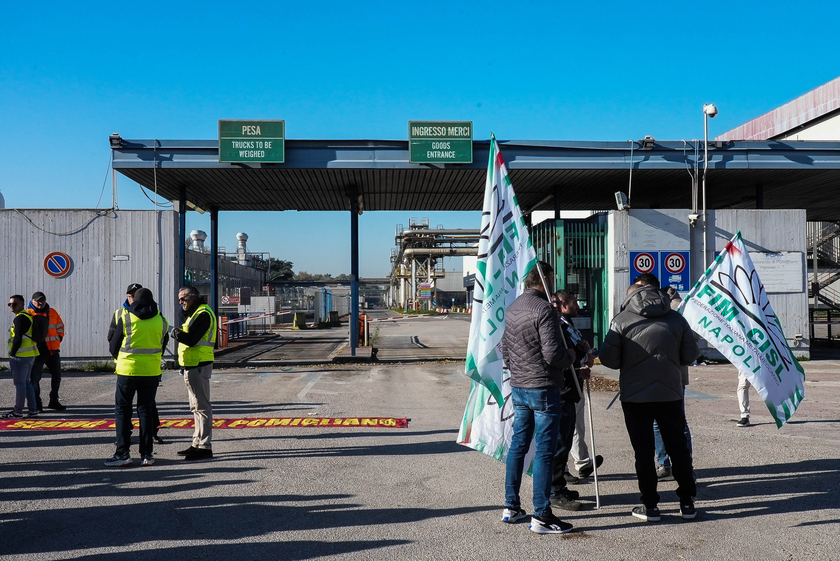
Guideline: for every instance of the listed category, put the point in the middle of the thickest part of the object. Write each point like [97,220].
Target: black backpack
[40,328]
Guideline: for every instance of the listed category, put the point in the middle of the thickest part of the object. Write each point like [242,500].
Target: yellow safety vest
[203,350]
[142,345]
[27,345]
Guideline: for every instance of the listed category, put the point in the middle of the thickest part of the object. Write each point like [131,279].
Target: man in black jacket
[649,342]
[567,307]
[533,351]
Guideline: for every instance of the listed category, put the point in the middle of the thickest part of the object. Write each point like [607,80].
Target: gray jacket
[648,342]
[532,347]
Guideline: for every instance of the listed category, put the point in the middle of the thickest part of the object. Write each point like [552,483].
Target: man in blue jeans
[533,350]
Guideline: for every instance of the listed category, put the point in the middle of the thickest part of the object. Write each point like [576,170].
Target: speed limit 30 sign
[676,270]
[643,262]
[674,263]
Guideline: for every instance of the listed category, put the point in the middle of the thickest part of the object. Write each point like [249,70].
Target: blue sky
[72,73]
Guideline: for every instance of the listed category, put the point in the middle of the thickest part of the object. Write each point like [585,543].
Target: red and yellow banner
[248,423]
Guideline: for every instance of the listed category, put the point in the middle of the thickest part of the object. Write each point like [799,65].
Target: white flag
[505,257]
[729,308]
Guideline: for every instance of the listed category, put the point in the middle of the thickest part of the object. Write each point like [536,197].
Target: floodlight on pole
[709,110]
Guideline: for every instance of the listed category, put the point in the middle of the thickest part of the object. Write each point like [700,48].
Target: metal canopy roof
[321,175]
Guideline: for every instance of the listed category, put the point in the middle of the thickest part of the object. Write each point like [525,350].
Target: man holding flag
[534,352]
[505,258]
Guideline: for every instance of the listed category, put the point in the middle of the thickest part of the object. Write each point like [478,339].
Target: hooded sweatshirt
[648,342]
[143,309]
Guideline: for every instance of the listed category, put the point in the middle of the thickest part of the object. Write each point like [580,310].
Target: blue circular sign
[57,264]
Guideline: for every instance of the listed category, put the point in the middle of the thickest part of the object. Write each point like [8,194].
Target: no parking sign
[58,264]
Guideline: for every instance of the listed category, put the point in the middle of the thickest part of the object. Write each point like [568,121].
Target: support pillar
[414,282]
[214,260]
[182,236]
[354,276]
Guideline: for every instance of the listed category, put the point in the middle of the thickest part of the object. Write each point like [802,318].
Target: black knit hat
[143,294]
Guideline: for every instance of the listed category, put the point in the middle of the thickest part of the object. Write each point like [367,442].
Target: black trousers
[53,363]
[670,416]
[145,387]
[568,415]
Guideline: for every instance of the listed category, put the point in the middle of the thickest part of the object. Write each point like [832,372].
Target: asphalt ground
[414,493]
[397,338]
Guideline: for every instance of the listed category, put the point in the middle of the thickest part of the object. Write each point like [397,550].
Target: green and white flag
[729,308]
[505,257]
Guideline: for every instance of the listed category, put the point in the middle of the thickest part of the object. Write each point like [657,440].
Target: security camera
[621,201]
[692,219]
[710,110]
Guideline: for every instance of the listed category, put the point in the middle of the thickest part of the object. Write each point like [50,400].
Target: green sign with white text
[440,142]
[252,141]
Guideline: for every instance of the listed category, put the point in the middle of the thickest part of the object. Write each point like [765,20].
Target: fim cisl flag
[505,257]
[729,308]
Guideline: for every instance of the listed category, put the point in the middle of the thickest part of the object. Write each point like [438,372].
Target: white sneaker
[147,461]
[511,515]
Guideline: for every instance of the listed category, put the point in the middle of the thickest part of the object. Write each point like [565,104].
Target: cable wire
[97,214]
[105,182]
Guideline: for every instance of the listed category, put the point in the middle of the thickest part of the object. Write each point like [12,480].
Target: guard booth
[576,249]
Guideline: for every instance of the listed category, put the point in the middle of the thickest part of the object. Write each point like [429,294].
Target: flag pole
[592,454]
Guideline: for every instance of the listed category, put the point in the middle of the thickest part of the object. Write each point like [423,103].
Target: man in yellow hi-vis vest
[22,353]
[138,343]
[196,340]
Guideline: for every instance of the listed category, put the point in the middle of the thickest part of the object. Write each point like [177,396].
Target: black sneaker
[585,472]
[549,525]
[566,503]
[687,511]
[119,461]
[511,515]
[56,405]
[158,439]
[199,454]
[187,452]
[647,514]
[744,422]
[570,479]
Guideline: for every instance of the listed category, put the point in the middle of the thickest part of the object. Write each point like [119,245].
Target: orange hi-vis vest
[56,332]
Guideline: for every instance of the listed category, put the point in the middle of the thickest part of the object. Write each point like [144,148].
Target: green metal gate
[576,249]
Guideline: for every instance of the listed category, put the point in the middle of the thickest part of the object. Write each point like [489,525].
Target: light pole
[709,110]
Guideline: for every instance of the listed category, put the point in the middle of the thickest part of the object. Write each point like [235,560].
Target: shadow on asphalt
[287,550]
[206,519]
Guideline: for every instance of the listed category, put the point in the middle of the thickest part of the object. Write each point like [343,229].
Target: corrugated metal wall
[109,250]
[772,231]
[762,230]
